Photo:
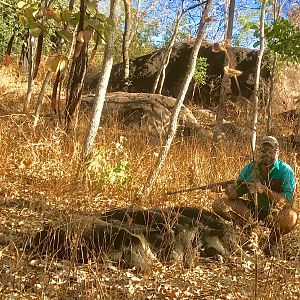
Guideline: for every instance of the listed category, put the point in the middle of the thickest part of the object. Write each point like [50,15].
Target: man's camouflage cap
[271,140]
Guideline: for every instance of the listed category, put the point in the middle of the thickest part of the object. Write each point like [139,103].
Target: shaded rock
[149,110]
[286,91]
[153,112]
[145,67]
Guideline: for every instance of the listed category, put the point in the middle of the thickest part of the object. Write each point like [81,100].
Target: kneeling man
[274,182]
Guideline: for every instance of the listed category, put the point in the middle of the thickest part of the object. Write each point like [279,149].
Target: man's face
[268,154]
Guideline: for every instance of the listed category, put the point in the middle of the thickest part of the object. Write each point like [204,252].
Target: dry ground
[38,182]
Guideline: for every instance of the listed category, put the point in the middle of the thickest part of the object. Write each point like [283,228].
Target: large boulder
[153,112]
[144,69]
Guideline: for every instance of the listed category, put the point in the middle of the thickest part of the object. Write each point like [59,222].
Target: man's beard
[266,161]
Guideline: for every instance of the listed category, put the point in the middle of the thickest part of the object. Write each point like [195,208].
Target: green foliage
[182,35]
[200,73]
[109,167]
[58,24]
[245,24]
[246,19]
[8,25]
[27,14]
[283,37]
[34,17]
[141,43]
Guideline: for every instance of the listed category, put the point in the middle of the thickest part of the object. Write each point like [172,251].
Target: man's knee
[287,220]
[223,207]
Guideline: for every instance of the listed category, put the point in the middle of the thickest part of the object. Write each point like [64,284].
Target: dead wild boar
[91,238]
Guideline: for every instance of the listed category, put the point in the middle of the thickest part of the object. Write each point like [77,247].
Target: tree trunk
[160,76]
[276,13]
[102,85]
[225,87]
[8,49]
[38,55]
[271,94]
[71,5]
[176,110]
[131,24]
[30,83]
[126,39]
[229,38]
[257,75]
[23,60]
[34,66]
[40,99]
[76,76]
[296,128]
[76,79]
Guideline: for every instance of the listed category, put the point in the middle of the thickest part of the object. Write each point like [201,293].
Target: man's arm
[233,191]
[285,197]
[276,198]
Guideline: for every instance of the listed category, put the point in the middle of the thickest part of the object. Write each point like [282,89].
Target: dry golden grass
[38,182]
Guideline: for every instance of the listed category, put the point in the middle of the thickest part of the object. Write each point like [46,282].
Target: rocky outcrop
[153,112]
[148,110]
[144,68]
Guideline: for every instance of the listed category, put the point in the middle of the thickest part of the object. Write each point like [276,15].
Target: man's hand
[217,189]
[229,190]
[256,187]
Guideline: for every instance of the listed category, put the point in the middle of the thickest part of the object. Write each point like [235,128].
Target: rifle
[204,187]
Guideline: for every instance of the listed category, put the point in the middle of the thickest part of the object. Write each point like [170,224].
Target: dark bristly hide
[131,237]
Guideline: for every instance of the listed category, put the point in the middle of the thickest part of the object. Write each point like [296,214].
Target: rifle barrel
[203,187]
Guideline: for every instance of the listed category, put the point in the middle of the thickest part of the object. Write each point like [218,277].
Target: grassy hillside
[40,180]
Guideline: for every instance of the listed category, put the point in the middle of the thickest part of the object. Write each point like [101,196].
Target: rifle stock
[203,187]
